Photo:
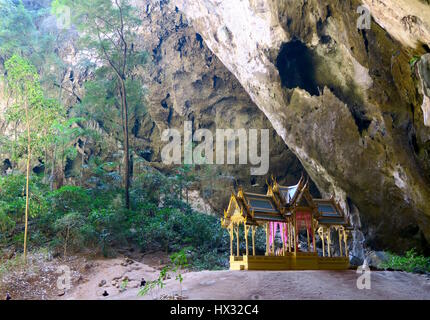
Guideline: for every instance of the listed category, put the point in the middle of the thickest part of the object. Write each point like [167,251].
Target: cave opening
[68,169]
[296,66]
[40,167]
[6,166]
[360,118]
[425,47]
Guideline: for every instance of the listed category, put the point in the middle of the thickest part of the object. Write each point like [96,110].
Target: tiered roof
[280,203]
[287,194]
[330,213]
[252,208]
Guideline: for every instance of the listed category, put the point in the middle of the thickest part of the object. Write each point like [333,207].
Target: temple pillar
[340,242]
[308,238]
[283,238]
[328,242]
[231,238]
[267,239]
[290,236]
[246,229]
[253,240]
[296,236]
[273,239]
[321,233]
[345,239]
[313,235]
[237,240]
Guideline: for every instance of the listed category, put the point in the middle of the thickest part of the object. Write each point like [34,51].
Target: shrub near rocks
[411,262]
[72,218]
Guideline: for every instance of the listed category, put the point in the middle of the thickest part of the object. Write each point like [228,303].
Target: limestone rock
[424,73]
[342,104]
[340,99]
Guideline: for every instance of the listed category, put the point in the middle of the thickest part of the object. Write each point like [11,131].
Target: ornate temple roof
[281,202]
[330,213]
[260,203]
[287,194]
[252,208]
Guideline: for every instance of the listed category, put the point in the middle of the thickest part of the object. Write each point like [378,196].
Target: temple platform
[291,261]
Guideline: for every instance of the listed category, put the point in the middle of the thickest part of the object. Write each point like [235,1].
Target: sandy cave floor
[90,278]
[254,285]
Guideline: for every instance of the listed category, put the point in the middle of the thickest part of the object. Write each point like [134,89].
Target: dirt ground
[121,279]
[256,285]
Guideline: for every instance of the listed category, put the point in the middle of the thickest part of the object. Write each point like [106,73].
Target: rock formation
[350,106]
[344,100]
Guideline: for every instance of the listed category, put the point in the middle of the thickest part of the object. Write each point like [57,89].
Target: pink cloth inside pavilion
[303,221]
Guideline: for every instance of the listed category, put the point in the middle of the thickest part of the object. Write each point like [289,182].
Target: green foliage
[6,223]
[178,262]
[21,35]
[69,228]
[105,27]
[23,82]
[124,284]
[108,29]
[157,283]
[70,198]
[17,29]
[102,102]
[411,262]
[108,227]
[29,105]
[12,203]
[12,206]
[413,61]
[64,133]
[171,230]
[15,264]
[73,217]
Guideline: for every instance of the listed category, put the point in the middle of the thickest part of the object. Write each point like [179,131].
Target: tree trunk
[65,242]
[45,164]
[126,145]
[27,188]
[82,161]
[52,177]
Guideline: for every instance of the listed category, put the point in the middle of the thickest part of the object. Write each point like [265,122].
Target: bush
[62,205]
[107,228]
[6,223]
[69,229]
[411,262]
[12,195]
[171,230]
[70,198]
[74,217]
[12,205]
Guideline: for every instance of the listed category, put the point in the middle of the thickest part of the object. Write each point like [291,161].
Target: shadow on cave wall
[297,65]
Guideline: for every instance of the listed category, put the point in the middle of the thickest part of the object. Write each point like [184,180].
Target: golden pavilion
[284,213]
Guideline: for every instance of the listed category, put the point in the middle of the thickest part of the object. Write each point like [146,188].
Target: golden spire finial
[273,178]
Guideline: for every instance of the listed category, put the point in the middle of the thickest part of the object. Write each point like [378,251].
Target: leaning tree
[108,30]
[32,115]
